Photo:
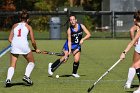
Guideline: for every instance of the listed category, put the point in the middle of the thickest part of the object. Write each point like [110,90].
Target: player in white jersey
[131,70]
[20,45]
[20,35]
[136,55]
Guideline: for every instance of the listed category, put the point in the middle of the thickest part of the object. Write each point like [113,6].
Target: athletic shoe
[27,80]
[75,75]
[8,83]
[127,86]
[50,69]
[137,91]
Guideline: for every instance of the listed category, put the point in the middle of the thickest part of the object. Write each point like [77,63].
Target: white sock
[131,74]
[10,73]
[29,69]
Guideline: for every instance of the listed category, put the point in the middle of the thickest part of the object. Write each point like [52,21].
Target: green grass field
[94,34]
[96,58]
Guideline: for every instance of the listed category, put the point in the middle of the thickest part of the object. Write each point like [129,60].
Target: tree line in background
[48,5]
[45,5]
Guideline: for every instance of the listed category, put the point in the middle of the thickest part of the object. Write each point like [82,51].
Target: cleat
[127,86]
[137,91]
[75,75]
[50,69]
[27,80]
[8,83]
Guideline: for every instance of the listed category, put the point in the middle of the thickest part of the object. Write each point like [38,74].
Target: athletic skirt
[73,47]
[20,48]
[137,48]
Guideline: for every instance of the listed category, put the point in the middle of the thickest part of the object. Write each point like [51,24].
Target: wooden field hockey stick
[51,53]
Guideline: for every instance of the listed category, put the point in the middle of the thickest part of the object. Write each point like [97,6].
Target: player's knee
[136,65]
[76,60]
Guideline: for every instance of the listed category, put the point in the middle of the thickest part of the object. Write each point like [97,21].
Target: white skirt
[137,48]
[20,48]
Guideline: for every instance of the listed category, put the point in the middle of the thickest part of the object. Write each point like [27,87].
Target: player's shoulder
[28,26]
[81,24]
[15,25]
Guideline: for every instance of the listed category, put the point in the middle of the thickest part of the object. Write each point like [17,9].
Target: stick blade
[89,89]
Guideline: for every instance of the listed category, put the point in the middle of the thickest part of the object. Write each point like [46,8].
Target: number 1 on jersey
[19,33]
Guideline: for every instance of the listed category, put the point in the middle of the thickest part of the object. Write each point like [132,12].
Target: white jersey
[137,48]
[19,42]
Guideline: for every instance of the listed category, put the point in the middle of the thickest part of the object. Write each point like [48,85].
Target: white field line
[70,80]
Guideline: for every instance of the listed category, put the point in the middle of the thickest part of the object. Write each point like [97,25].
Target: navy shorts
[73,47]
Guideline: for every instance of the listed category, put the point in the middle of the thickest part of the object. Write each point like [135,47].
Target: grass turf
[96,58]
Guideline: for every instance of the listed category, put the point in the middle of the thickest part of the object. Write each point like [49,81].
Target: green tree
[48,5]
[44,5]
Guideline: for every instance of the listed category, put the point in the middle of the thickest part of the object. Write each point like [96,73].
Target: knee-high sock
[10,73]
[131,74]
[138,73]
[29,69]
[75,67]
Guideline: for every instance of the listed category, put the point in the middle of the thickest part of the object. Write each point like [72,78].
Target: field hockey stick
[5,50]
[65,59]
[51,53]
[89,89]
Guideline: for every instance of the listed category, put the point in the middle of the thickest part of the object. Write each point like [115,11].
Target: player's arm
[11,33]
[130,45]
[133,29]
[87,33]
[32,39]
[69,39]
